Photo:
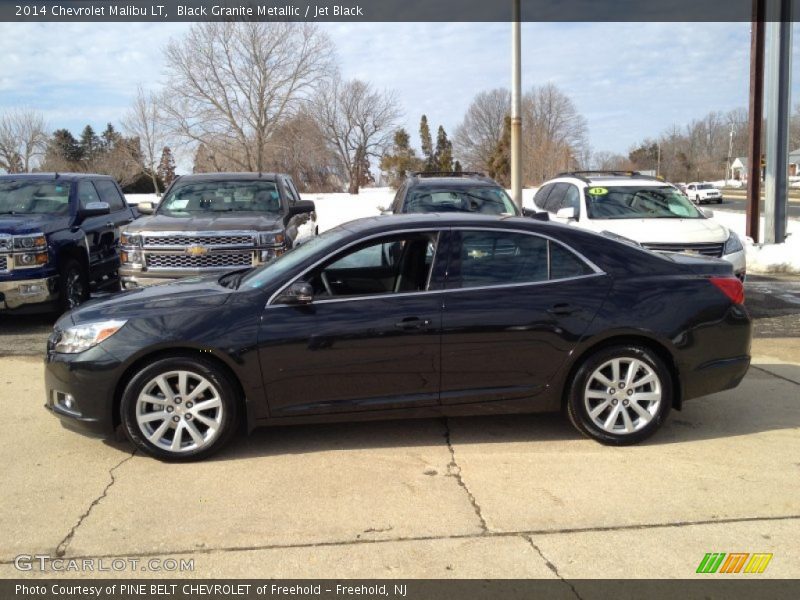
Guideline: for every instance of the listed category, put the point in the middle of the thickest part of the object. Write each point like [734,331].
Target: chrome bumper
[133,278]
[28,291]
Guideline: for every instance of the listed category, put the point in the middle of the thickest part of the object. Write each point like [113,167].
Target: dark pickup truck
[215,222]
[58,239]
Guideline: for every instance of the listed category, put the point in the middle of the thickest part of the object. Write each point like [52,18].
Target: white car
[643,209]
[700,193]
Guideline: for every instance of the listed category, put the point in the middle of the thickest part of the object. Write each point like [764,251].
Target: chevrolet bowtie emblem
[197,250]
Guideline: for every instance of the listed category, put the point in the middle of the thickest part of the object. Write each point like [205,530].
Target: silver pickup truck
[214,222]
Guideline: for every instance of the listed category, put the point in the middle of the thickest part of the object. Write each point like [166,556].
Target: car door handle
[562,310]
[413,323]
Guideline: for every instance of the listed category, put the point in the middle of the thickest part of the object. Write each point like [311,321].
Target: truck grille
[209,261]
[5,243]
[3,263]
[201,239]
[710,249]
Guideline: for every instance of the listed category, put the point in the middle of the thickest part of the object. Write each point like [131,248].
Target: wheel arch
[621,339]
[179,352]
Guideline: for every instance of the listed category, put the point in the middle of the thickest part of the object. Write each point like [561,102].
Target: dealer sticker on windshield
[598,191]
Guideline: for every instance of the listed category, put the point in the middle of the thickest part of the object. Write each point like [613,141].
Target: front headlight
[734,244]
[34,241]
[273,238]
[28,260]
[82,337]
[130,239]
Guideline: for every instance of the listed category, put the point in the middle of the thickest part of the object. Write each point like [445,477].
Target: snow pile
[335,209]
[134,199]
[765,258]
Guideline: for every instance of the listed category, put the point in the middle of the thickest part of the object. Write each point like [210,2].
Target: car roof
[231,177]
[454,182]
[615,180]
[55,176]
[443,220]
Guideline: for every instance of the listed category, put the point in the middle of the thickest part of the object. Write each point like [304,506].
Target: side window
[572,199]
[294,196]
[541,195]
[392,264]
[397,204]
[109,193]
[86,193]
[498,258]
[564,264]
[553,202]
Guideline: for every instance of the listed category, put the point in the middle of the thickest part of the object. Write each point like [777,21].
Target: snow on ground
[137,198]
[765,258]
[335,209]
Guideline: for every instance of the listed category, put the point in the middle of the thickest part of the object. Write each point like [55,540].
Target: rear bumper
[23,292]
[715,376]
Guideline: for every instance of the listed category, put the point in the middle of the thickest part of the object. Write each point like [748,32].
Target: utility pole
[516,95]
[658,160]
[729,165]
[778,78]
[756,115]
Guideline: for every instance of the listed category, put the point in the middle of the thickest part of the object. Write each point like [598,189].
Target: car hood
[207,222]
[191,294]
[654,231]
[24,224]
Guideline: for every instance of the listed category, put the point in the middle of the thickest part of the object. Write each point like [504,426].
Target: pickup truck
[214,222]
[58,239]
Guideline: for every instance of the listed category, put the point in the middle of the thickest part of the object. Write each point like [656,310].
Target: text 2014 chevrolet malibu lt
[406,316]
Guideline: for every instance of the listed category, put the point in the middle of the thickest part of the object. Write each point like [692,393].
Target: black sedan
[406,316]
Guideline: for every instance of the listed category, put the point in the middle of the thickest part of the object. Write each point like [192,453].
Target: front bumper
[20,292]
[739,262]
[80,390]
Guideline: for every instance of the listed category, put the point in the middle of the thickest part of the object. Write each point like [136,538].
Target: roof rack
[586,175]
[448,174]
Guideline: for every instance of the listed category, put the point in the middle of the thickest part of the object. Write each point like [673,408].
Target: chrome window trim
[597,270]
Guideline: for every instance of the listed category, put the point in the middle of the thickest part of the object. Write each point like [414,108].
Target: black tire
[202,368]
[73,284]
[697,199]
[576,402]
[719,200]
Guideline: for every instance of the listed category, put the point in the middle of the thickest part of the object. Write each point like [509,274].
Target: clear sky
[628,80]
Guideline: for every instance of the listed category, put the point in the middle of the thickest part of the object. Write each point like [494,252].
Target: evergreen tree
[64,147]
[109,138]
[166,167]
[443,157]
[90,144]
[401,161]
[500,163]
[458,168]
[426,143]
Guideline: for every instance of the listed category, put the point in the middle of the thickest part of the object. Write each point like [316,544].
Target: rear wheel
[73,284]
[620,395]
[179,409]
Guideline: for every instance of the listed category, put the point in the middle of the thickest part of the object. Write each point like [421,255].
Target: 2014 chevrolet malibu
[406,316]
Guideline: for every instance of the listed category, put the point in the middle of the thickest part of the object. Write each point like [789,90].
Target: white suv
[644,209]
[700,193]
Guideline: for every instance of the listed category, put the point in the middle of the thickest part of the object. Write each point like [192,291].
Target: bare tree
[357,122]
[609,161]
[477,136]
[232,83]
[23,140]
[144,122]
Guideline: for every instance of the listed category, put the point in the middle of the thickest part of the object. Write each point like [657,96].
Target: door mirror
[535,214]
[298,293]
[566,213]
[302,207]
[95,209]
[146,208]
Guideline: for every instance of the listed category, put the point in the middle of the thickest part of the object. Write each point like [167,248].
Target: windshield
[632,202]
[18,197]
[277,267]
[221,196]
[705,186]
[482,199]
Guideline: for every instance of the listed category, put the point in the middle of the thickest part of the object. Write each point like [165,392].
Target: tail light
[731,287]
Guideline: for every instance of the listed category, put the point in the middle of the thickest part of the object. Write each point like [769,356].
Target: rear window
[482,199]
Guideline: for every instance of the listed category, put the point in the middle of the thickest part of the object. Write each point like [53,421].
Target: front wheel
[179,409]
[620,395]
[73,284]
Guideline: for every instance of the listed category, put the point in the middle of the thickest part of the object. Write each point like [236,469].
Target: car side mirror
[146,208]
[299,293]
[566,213]
[94,209]
[536,214]
[302,207]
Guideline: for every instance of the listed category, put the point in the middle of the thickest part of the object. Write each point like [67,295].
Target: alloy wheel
[75,288]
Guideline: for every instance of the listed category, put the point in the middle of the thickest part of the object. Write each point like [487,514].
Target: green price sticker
[598,191]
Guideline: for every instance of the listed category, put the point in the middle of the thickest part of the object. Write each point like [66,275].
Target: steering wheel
[324,277]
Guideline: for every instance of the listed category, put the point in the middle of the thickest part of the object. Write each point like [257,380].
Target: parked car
[58,239]
[702,193]
[643,209]
[215,222]
[450,191]
[406,316]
